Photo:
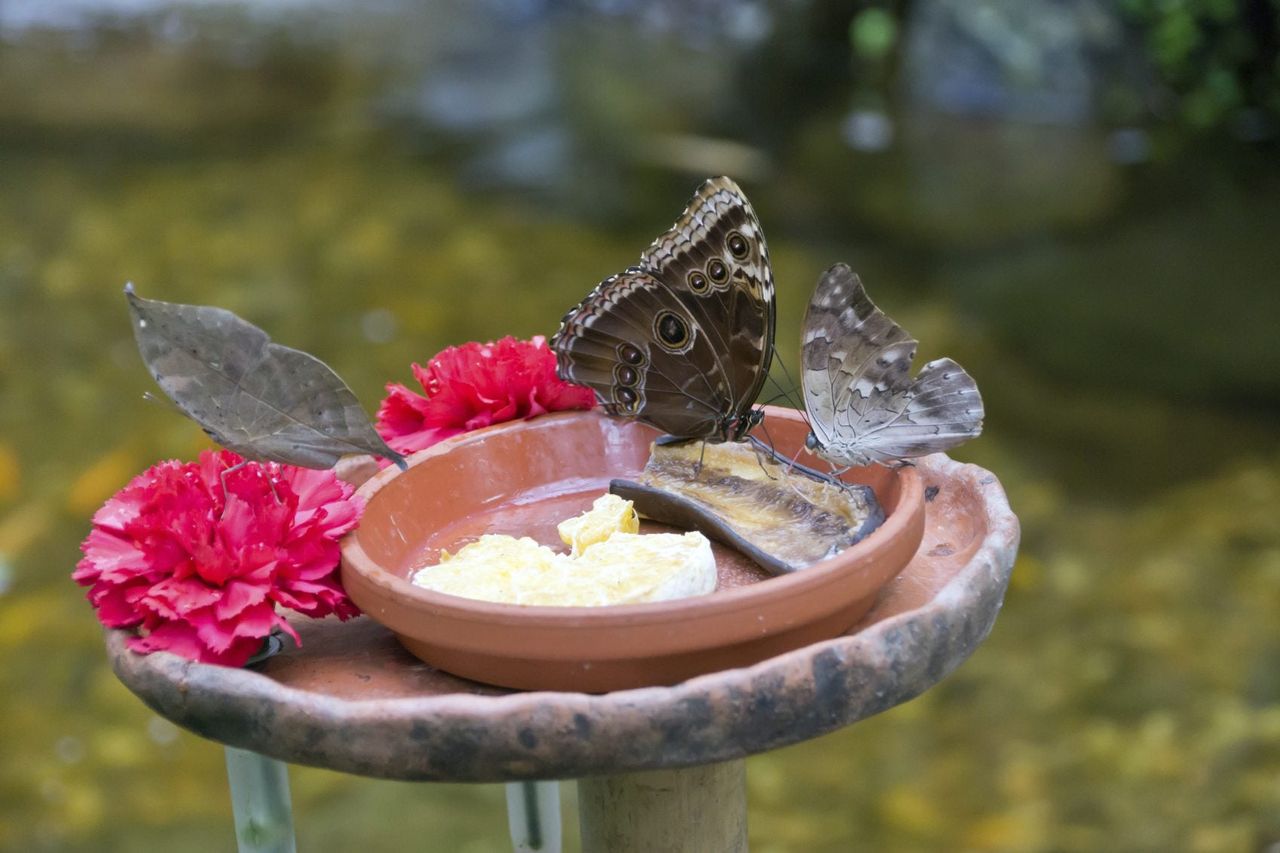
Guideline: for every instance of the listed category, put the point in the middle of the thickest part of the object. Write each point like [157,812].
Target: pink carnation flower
[201,574]
[473,386]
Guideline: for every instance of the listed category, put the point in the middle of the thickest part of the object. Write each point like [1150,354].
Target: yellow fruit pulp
[611,563]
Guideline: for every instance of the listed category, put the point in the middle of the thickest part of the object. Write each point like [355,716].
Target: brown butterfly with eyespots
[684,339]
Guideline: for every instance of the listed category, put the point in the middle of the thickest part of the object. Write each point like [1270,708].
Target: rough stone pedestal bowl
[520,479]
[353,699]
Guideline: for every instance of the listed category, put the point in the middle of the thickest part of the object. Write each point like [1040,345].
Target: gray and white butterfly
[863,405]
[683,340]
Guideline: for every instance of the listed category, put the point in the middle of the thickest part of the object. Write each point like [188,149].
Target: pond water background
[372,186]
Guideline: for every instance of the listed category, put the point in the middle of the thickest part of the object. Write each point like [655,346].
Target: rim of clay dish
[898,521]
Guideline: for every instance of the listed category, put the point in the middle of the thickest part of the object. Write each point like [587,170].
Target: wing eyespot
[672,331]
[626,375]
[738,246]
[698,282]
[718,271]
[626,400]
[631,354]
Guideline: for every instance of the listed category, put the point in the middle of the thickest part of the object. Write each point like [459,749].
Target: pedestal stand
[660,767]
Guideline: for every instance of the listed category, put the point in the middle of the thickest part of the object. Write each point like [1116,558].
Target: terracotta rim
[897,522]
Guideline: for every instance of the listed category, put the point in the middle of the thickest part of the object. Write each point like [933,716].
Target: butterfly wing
[632,342]
[258,398]
[717,262]
[709,277]
[863,406]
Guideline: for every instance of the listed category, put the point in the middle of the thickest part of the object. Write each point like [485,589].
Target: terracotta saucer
[522,478]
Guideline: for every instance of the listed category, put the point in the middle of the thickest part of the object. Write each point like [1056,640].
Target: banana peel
[781,516]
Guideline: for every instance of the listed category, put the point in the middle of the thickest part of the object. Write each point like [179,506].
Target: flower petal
[191,554]
[475,385]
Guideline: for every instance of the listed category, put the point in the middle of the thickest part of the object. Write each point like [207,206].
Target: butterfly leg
[236,467]
[223,478]
[668,440]
[792,464]
[759,447]
[795,460]
[761,454]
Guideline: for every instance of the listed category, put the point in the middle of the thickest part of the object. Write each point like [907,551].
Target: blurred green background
[1078,200]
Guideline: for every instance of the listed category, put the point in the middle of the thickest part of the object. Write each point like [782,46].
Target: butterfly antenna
[787,390]
[783,393]
[776,397]
[791,385]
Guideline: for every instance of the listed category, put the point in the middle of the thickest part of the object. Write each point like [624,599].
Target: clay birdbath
[658,767]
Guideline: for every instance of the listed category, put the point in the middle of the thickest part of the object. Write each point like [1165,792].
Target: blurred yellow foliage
[1004,831]
[23,526]
[121,746]
[10,474]
[24,616]
[82,809]
[907,808]
[103,478]
[1027,573]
